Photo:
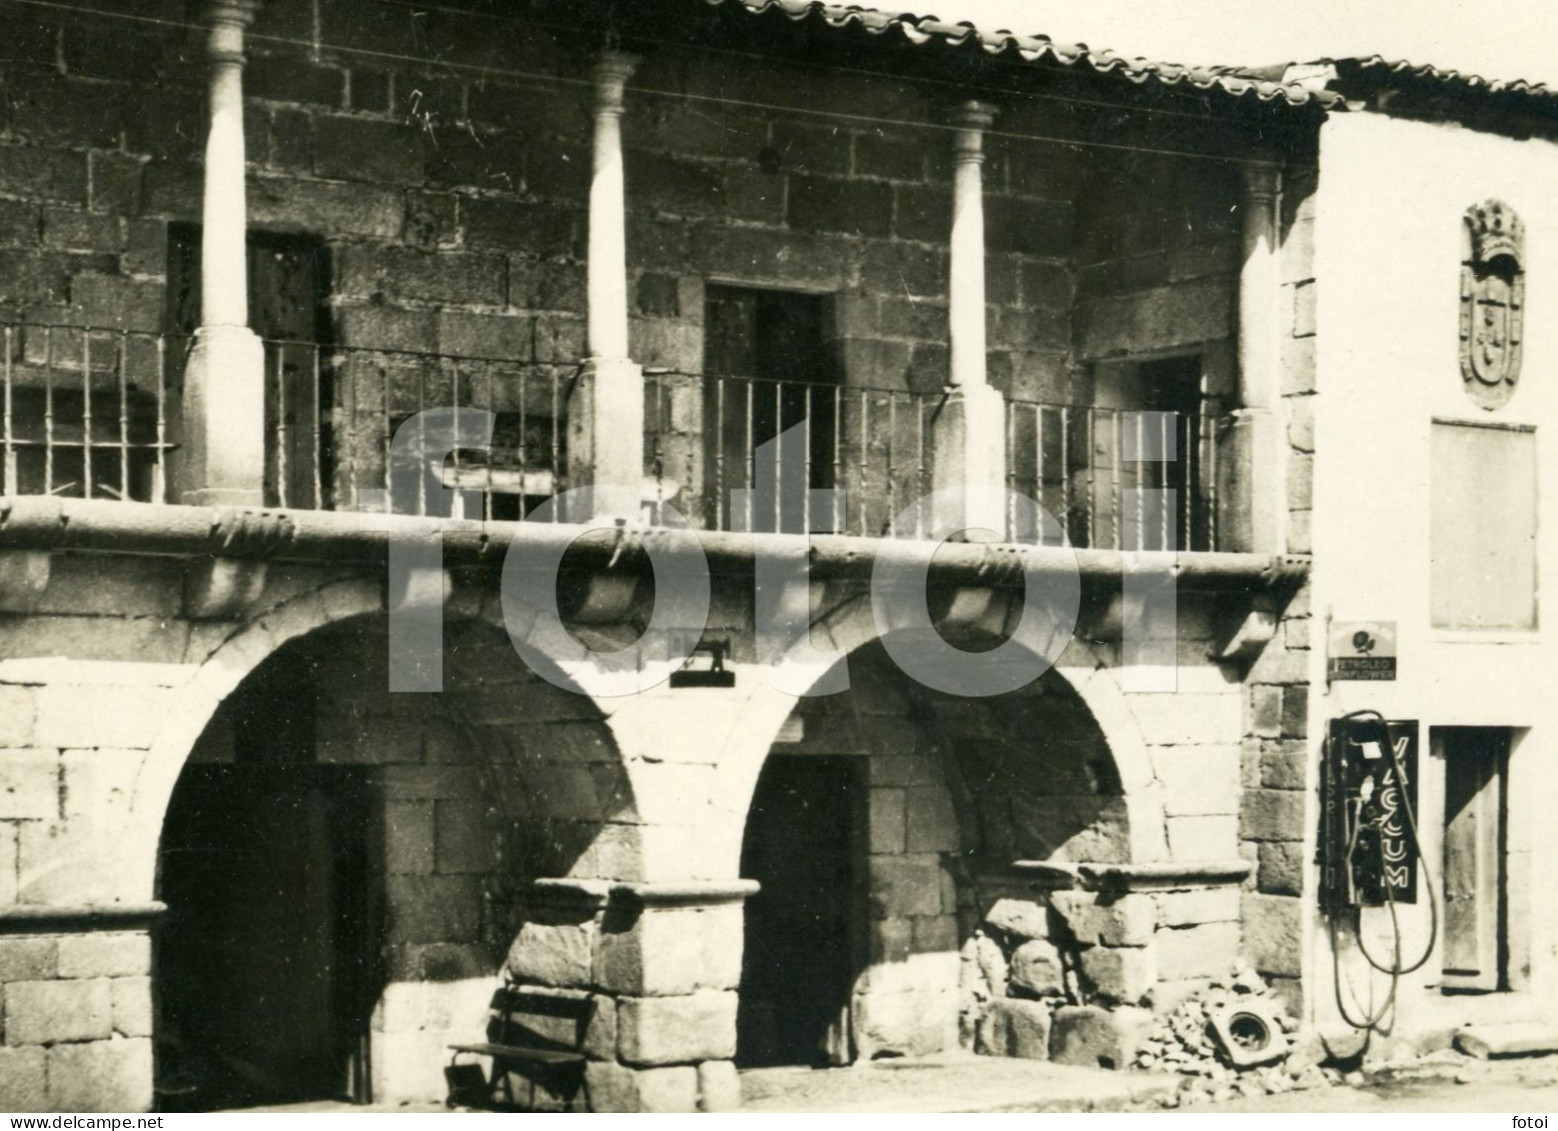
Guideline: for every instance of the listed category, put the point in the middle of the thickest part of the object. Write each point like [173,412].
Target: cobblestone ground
[1444,1083]
[1522,1087]
[951,1083]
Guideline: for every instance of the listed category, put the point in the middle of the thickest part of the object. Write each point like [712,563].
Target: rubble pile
[1183,1040]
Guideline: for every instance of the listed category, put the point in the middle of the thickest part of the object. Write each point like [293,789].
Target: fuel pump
[1370,851]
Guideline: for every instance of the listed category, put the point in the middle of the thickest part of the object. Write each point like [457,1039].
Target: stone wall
[78,1021]
[1159,279]
[953,783]
[1035,780]
[1159,264]
[464,811]
[1061,970]
[466,806]
[1066,964]
[452,212]
[436,863]
[1278,805]
[660,970]
[904,1000]
[504,779]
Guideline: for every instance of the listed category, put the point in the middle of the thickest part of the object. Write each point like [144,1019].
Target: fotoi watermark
[790,660]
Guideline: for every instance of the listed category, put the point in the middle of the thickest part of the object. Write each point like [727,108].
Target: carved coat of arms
[1493,288]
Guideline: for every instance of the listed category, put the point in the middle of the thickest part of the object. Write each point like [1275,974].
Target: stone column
[222,457]
[1253,496]
[970,433]
[606,409]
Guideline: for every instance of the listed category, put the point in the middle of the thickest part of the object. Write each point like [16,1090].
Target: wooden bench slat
[539,1029]
[520,1052]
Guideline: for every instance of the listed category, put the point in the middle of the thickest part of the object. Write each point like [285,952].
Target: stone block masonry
[669,1030]
[439,845]
[1095,1038]
[1089,964]
[435,193]
[441,774]
[1278,802]
[452,213]
[453,217]
[905,1000]
[77,1021]
[1147,282]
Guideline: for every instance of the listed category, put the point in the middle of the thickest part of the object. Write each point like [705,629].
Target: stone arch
[503,779]
[849,626]
[240,653]
[218,673]
[945,811]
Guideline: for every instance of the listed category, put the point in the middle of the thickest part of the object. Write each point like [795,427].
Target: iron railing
[85,411]
[741,453]
[1108,478]
[347,430]
[93,412]
[1113,479]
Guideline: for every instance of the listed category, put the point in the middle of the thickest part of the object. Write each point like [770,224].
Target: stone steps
[1512,1039]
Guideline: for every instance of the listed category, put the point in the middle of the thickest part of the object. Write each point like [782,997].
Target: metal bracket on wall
[714,675]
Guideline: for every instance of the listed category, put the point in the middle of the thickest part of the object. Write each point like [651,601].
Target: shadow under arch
[1079,684]
[449,804]
[950,792]
[470,673]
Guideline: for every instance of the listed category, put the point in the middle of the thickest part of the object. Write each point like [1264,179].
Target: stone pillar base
[221,459]
[969,442]
[712,1086]
[606,441]
[662,963]
[77,987]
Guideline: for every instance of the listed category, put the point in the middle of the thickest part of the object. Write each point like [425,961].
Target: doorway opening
[768,373]
[804,926]
[1170,387]
[1476,888]
[262,983]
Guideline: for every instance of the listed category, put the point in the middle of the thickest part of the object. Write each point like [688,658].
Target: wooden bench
[534,1035]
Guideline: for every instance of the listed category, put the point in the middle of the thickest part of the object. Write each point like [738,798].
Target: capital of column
[1262,183]
[239,12]
[972,119]
[610,74]
[227,20]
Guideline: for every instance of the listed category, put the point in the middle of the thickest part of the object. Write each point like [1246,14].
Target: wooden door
[803,927]
[1475,764]
[259,954]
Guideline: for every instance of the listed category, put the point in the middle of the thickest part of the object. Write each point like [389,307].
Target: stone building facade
[241,247]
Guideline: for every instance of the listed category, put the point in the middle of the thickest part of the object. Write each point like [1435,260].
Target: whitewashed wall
[1388,251]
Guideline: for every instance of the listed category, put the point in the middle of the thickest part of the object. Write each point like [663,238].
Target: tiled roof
[1237,82]
[1378,66]
[1322,83]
